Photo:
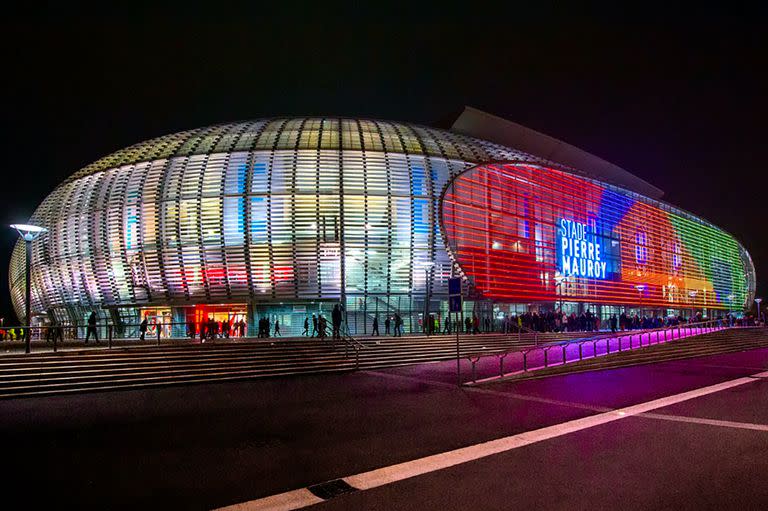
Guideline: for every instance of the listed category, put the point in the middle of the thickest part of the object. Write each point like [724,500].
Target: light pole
[757,301]
[559,281]
[693,294]
[640,288]
[427,266]
[29,233]
[730,308]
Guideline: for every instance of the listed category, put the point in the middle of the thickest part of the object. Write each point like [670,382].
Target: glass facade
[284,217]
[282,210]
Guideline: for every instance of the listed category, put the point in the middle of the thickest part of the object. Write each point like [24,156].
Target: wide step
[144,367]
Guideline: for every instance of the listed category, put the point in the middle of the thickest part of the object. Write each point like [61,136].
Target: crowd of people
[554,321]
[212,329]
[319,326]
[393,325]
[587,321]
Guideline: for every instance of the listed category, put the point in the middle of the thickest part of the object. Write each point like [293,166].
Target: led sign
[580,253]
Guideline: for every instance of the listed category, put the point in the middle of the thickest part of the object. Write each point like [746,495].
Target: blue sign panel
[454,286]
[582,253]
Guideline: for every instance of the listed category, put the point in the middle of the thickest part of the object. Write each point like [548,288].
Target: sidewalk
[41,346]
[38,346]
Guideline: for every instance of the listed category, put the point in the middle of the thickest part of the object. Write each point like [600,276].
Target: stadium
[286,217]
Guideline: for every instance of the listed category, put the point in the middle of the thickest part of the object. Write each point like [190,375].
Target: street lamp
[29,233]
[693,294]
[559,281]
[427,267]
[730,308]
[757,301]
[640,288]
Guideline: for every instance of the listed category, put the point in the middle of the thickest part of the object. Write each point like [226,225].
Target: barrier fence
[47,338]
[53,336]
[519,361]
[546,349]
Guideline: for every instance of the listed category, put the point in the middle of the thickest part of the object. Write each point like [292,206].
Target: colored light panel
[526,233]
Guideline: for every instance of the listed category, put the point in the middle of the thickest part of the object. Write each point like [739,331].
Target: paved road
[201,447]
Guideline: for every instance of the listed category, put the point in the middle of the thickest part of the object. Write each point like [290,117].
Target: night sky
[677,98]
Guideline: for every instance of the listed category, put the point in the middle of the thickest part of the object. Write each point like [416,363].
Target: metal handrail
[600,336]
[702,326]
[350,342]
[107,331]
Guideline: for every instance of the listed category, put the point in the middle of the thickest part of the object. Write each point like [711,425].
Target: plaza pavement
[208,446]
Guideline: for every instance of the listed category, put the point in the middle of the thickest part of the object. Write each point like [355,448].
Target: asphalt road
[205,446]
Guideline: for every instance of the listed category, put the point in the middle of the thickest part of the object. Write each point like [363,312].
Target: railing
[56,335]
[606,341]
[350,343]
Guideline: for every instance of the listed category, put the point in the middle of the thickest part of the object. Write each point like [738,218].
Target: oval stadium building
[287,217]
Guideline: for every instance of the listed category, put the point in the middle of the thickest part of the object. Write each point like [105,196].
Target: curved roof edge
[479,124]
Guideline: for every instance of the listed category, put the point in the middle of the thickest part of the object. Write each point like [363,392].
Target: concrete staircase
[103,369]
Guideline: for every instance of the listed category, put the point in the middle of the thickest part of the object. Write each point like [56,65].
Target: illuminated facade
[528,233]
[285,217]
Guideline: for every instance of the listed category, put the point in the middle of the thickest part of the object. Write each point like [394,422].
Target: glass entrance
[157,318]
[231,319]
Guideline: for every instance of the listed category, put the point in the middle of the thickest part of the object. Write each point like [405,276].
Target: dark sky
[678,98]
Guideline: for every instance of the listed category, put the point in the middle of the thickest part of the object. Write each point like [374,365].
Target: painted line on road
[297,499]
[709,422]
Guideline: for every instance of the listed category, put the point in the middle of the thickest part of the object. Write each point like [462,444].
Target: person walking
[314,326]
[336,321]
[398,332]
[321,327]
[306,327]
[277,327]
[375,329]
[386,325]
[224,328]
[91,328]
[143,329]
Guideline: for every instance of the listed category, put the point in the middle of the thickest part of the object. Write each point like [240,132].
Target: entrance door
[231,314]
[157,318]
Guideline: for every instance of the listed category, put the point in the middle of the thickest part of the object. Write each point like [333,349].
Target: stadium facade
[287,217]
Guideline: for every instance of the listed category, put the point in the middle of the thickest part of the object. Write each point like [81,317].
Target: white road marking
[295,499]
[301,498]
[710,422]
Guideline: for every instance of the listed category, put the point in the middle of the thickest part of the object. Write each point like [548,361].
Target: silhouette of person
[91,328]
